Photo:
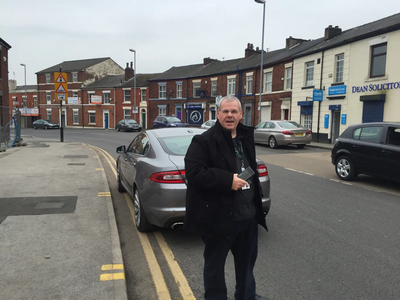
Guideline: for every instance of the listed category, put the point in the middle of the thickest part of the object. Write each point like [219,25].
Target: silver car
[152,171]
[282,133]
[208,124]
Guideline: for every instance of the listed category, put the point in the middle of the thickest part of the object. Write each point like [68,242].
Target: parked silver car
[282,133]
[208,124]
[152,171]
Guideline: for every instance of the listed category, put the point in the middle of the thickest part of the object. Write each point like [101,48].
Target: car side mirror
[121,149]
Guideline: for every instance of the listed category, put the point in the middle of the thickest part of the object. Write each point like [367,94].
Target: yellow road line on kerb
[112,276]
[155,270]
[180,279]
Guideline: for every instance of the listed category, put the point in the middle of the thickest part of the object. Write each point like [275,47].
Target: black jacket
[210,163]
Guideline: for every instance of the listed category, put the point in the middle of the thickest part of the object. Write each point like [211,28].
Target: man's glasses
[227,111]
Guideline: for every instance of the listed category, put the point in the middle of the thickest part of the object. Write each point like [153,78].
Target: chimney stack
[208,60]
[331,32]
[249,51]
[291,42]
[129,72]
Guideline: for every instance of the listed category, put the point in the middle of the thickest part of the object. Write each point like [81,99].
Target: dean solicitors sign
[376,87]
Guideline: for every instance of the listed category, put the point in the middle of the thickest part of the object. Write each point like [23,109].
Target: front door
[106,120]
[335,125]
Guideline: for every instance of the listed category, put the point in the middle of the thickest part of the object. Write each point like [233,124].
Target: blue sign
[195,117]
[326,122]
[343,120]
[193,106]
[337,90]
[317,95]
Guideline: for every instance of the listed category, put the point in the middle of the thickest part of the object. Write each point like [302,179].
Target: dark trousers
[243,244]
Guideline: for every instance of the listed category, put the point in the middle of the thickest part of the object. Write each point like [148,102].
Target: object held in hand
[246,174]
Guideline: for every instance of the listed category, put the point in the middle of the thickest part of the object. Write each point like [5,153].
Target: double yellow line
[155,270]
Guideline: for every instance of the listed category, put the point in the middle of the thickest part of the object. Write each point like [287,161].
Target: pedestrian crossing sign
[60,86]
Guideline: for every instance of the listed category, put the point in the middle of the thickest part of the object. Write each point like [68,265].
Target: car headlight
[173,125]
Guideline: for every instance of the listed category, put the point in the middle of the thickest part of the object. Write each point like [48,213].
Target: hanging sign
[60,85]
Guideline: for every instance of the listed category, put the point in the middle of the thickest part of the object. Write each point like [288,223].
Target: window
[288,78]
[378,60]
[196,89]
[179,90]
[34,101]
[268,82]
[106,96]
[127,95]
[309,73]
[213,88]
[339,67]
[127,113]
[162,111]
[74,94]
[48,97]
[143,96]
[74,77]
[307,120]
[76,116]
[231,86]
[162,91]
[48,114]
[92,117]
[249,84]
[90,94]
[368,134]
[48,78]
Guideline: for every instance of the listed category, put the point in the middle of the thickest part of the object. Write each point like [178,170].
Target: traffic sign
[60,85]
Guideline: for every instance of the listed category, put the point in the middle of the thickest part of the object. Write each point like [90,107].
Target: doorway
[335,125]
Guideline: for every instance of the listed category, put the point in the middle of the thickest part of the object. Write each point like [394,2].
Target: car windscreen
[173,120]
[131,122]
[176,145]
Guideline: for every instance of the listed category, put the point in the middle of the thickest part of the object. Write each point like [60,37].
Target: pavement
[58,233]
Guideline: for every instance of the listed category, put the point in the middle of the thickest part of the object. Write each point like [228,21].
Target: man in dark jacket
[223,208]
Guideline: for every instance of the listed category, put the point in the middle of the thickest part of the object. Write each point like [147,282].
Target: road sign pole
[61,119]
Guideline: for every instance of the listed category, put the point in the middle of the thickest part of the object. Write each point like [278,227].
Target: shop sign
[317,95]
[376,87]
[337,90]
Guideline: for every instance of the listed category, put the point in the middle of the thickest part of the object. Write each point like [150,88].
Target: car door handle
[386,151]
[355,146]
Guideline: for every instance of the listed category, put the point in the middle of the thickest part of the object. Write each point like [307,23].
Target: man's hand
[238,183]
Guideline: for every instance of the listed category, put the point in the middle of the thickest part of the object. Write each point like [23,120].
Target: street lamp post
[262,58]
[134,84]
[26,100]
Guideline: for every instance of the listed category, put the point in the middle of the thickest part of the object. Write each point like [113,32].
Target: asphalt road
[327,239]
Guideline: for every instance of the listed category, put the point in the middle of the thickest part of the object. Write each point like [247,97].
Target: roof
[118,81]
[74,65]
[5,44]
[381,26]
[21,88]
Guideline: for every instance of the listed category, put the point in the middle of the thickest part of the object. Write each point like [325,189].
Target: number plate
[299,134]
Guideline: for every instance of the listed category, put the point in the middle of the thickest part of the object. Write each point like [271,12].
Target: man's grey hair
[228,98]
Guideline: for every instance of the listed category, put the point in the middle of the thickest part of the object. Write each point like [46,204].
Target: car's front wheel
[345,168]
[142,224]
[118,129]
[34,127]
[273,144]
[46,127]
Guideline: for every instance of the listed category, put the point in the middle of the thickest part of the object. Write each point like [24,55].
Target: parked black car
[128,125]
[168,121]
[45,124]
[368,148]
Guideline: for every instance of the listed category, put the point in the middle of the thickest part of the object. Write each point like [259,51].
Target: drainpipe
[115,109]
[83,113]
[320,87]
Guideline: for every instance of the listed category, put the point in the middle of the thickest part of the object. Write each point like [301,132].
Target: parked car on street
[168,121]
[45,124]
[128,125]
[208,124]
[152,171]
[282,133]
[368,148]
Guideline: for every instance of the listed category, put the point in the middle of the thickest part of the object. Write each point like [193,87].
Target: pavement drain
[76,164]
[25,206]
[76,156]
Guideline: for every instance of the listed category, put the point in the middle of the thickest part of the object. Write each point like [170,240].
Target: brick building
[5,113]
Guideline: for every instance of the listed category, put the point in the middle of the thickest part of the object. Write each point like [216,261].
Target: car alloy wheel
[345,168]
[142,224]
[45,127]
[34,127]
[272,142]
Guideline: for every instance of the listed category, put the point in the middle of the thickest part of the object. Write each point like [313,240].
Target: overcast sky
[165,33]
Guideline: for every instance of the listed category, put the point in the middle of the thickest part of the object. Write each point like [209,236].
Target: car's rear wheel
[345,168]
[34,127]
[142,224]
[118,129]
[121,188]
[301,146]
[273,144]
[45,127]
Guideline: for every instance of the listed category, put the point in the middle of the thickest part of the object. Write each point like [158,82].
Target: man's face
[229,115]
